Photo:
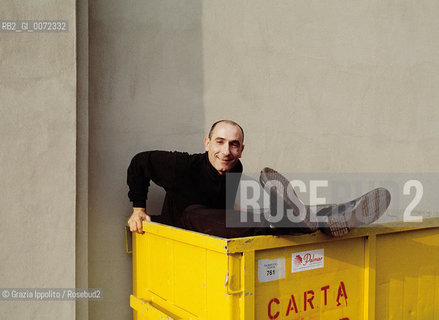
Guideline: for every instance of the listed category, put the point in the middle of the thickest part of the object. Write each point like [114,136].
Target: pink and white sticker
[307,260]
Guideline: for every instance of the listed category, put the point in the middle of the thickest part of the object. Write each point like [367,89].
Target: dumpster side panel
[182,279]
[407,275]
[190,278]
[158,256]
[140,283]
[202,277]
[330,288]
[217,300]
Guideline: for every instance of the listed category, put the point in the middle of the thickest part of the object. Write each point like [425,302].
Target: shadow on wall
[146,92]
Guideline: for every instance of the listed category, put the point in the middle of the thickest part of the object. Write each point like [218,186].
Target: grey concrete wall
[82,155]
[146,92]
[336,86]
[37,156]
[339,86]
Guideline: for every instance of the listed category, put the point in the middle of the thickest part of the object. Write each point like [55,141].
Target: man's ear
[240,155]
[206,144]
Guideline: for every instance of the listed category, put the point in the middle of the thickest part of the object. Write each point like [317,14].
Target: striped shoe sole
[357,213]
[277,187]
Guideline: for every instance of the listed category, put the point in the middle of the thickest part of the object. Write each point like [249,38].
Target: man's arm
[158,166]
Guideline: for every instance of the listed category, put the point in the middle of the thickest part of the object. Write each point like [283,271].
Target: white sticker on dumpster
[307,260]
[271,269]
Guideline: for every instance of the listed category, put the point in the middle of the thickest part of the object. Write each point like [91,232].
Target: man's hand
[135,221]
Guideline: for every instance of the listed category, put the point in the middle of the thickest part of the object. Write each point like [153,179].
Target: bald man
[195,184]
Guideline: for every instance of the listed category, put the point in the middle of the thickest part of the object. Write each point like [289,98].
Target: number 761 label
[271,269]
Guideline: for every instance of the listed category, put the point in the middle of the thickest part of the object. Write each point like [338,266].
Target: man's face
[225,147]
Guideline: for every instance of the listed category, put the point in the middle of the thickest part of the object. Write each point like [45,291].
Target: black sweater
[187,179]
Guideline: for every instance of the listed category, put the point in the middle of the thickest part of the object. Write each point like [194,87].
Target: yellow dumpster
[386,272]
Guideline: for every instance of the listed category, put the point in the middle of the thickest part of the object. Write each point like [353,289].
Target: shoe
[277,187]
[362,211]
[342,218]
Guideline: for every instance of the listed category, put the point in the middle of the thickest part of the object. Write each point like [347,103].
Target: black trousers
[213,221]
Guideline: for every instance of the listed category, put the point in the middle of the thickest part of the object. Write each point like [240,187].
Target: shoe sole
[278,185]
[357,213]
